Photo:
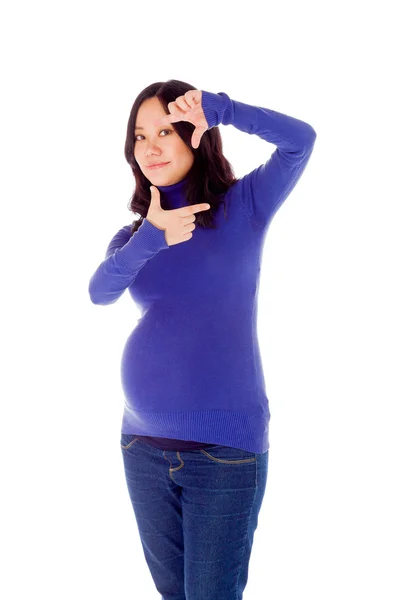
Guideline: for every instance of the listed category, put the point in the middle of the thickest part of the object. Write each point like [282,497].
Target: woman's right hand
[177,223]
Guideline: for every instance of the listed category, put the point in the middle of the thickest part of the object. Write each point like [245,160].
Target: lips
[158,165]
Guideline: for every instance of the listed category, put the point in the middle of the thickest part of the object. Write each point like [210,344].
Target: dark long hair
[211,174]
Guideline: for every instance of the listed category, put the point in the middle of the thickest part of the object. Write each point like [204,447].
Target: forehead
[149,111]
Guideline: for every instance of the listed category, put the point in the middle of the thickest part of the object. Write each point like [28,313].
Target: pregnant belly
[180,362]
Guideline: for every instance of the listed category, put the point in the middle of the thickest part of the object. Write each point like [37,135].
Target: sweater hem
[225,427]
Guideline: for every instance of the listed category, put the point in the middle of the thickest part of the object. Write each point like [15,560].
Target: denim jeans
[196,513]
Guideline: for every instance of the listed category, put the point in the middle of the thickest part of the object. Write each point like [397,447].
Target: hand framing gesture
[187,108]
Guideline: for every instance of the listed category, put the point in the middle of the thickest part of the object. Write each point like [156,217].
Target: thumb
[155,196]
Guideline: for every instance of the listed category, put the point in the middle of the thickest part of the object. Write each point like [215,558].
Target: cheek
[136,155]
[182,150]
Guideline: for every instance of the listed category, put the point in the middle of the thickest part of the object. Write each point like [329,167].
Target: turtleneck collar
[174,195]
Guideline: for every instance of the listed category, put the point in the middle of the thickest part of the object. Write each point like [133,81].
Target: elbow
[309,141]
[312,135]
[101,300]
[95,294]
[95,298]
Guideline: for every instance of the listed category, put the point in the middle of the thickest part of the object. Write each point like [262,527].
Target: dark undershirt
[171,444]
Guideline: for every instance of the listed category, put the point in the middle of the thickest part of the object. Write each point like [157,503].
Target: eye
[139,134]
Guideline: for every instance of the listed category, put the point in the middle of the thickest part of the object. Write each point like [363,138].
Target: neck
[174,195]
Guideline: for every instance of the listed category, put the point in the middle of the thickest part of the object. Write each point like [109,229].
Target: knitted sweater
[191,369]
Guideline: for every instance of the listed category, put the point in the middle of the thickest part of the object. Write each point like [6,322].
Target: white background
[328,302]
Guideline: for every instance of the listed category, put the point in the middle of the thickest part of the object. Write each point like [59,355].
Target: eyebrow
[139,127]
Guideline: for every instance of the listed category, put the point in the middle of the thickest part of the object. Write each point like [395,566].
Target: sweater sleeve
[266,187]
[125,256]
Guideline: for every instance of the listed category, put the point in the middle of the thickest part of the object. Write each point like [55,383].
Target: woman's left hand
[187,108]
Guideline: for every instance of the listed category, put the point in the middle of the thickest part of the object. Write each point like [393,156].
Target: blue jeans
[196,512]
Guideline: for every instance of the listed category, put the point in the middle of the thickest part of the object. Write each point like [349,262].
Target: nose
[152,149]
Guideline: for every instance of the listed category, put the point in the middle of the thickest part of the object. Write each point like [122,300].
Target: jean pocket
[226,454]
[127,440]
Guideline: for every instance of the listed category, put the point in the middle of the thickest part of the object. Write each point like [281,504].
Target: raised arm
[267,186]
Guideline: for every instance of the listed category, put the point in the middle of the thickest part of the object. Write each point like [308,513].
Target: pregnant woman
[194,436]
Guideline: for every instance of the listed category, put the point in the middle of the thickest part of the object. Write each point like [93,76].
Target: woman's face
[158,145]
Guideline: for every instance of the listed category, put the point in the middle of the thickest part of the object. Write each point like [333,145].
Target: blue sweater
[191,368]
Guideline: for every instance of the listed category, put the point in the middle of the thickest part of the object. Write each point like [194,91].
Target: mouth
[158,166]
